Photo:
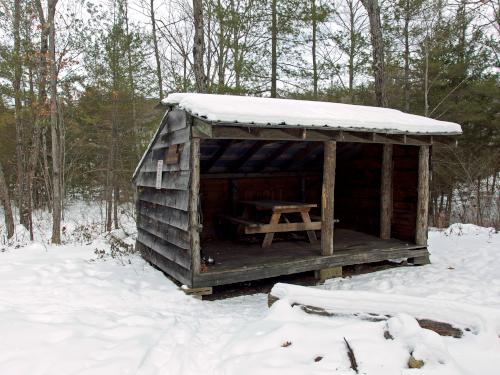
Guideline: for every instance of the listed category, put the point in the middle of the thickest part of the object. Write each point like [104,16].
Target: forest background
[80,83]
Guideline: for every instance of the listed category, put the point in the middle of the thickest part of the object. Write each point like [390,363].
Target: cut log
[441,328]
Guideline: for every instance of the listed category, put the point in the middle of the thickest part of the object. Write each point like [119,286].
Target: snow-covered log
[445,318]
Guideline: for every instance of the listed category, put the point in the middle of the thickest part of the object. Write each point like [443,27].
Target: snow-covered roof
[257,111]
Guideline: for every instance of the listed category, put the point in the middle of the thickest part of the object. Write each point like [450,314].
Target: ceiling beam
[273,156]
[225,144]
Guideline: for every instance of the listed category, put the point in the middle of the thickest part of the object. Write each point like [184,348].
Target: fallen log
[359,310]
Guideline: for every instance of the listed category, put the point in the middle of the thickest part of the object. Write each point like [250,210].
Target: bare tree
[274,47]
[156,50]
[373,9]
[55,139]
[199,47]
[314,19]
[22,193]
[7,209]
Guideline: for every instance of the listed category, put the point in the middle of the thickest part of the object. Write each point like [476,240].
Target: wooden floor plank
[237,262]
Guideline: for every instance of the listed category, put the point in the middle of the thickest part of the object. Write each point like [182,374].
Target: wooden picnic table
[278,210]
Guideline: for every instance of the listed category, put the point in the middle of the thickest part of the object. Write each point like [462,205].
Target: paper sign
[159,170]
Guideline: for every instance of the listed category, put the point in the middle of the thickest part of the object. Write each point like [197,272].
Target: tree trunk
[274,46]
[407,57]
[40,116]
[7,209]
[132,85]
[378,65]
[220,62]
[21,190]
[352,48]
[56,157]
[313,51]
[157,53]
[236,48]
[199,47]
[116,199]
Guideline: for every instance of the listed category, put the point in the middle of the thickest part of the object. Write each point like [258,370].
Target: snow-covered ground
[70,310]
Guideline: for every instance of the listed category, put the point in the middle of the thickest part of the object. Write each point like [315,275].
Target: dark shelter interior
[236,171]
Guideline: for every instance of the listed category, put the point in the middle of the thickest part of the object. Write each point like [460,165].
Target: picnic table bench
[278,211]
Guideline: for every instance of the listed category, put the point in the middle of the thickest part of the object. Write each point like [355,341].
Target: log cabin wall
[405,192]
[218,196]
[357,187]
[163,214]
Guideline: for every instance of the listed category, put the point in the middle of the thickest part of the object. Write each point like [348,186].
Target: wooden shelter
[234,189]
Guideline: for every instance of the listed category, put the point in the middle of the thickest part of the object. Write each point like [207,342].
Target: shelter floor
[244,261]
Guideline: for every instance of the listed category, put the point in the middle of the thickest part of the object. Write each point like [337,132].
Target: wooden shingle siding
[162,214]
[170,180]
[183,165]
[175,138]
[167,215]
[165,248]
[176,236]
[173,269]
[176,199]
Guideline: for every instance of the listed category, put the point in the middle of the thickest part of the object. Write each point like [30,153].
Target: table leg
[245,215]
[268,238]
[310,233]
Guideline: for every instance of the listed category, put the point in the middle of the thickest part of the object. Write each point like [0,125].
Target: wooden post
[330,149]
[386,193]
[194,195]
[422,203]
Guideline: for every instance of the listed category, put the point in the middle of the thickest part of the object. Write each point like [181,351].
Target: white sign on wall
[159,170]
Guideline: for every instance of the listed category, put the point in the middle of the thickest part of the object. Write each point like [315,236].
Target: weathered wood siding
[405,194]
[357,187]
[163,214]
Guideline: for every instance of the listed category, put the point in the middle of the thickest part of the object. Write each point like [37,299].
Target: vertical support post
[422,204]
[330,149]
[194,197]
[386,193]
[423,196]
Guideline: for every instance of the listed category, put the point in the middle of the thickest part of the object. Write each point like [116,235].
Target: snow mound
[20,238]
[459,229]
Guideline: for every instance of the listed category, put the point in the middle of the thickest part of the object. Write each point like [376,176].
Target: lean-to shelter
[236,188]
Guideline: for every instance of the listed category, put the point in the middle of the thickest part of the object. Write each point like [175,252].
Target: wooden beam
[273,156]
[330,149]
[194,192]
[386,193]
[236,175]
[423,196]
[302,155]
[247,155]
[217,155]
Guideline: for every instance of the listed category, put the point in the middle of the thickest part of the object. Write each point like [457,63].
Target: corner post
[422,202]
[386,193]
[327,223]
[194,194]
